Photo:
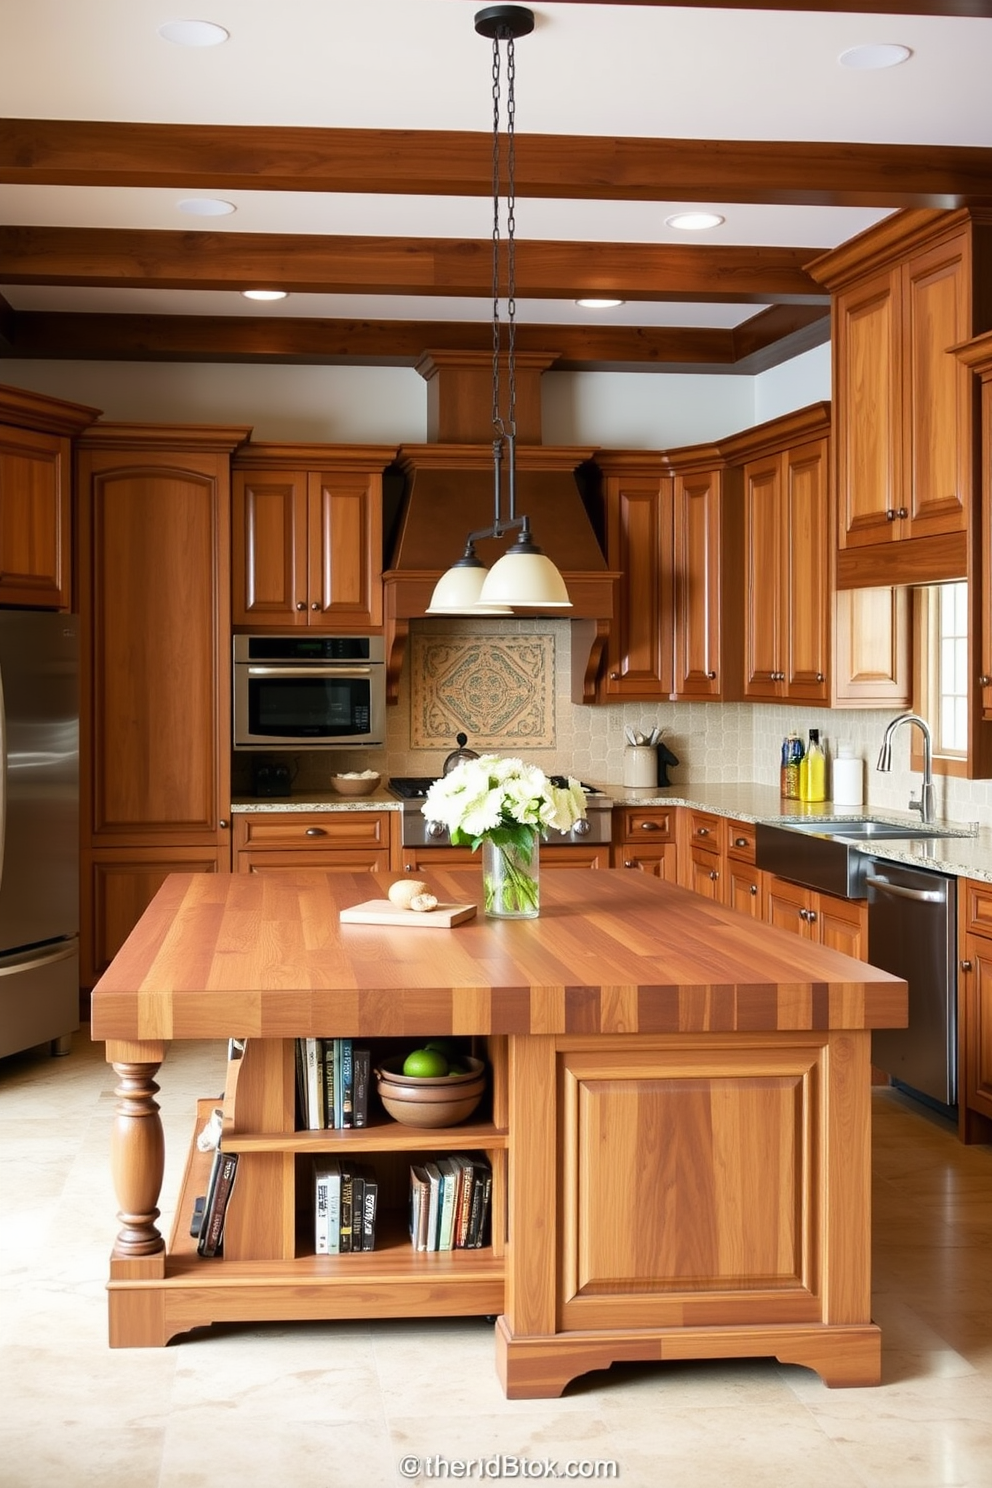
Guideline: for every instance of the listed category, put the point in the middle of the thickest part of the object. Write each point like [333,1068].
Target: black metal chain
[509,426]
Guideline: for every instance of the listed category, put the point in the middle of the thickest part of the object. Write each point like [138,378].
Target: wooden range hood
[449,493]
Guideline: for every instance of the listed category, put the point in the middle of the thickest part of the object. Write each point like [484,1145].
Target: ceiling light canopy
[205,206]
[524,578]
[264,294]
[694,221]
[193,33]
[876,55]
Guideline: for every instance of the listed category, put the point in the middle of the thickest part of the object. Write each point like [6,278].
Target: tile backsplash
[465,674]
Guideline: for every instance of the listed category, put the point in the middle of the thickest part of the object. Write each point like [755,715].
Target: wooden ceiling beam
[137,258]
[225,158]
[188,338]
[830,7]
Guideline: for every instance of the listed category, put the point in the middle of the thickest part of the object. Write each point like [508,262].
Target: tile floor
[322,1405]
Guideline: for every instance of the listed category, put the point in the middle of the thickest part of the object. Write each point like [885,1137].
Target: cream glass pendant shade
[525,579]
[459,590]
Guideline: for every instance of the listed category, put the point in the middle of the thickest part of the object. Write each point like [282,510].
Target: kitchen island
[678,1127]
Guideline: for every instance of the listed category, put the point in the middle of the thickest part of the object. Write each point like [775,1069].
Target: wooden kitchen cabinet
[638,491]
[977,356]
[155,704]
[841,924]
[307,536]
[702,853]
[905,293]
[646,841]
[36,498]
[744,884]
[707,513]
[338,841]
[975,1011]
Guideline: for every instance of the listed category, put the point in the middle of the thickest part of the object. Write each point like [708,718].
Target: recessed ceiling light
[871,58]
[694,221]
[264,294]
[193,33]
[205,206]
[599,304]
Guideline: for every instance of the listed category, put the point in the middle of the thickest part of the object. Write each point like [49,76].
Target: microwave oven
[309,692]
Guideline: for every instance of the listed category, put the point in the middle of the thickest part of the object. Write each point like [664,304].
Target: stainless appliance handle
[3,775]
[317,669]
[46,958]
[923,896]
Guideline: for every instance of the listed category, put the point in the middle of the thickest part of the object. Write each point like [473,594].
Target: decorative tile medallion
[497,689]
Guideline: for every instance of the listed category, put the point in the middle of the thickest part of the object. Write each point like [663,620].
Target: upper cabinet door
[867,411]
[639,541]
[345,548]
[937,422]
[34,519]
[764,675]
[269,548]
[697,584]
[805,583]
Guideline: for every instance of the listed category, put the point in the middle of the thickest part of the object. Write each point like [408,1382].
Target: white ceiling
[640,70]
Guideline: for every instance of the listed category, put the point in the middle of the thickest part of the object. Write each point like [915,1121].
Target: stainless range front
[594,829]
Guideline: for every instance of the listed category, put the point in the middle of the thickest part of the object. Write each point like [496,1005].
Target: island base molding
[540,1368]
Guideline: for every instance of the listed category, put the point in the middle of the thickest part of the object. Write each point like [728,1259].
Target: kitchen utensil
[457,755]
[629,732]
[653,737]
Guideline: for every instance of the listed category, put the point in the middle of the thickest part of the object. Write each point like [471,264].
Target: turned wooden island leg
[138,1164]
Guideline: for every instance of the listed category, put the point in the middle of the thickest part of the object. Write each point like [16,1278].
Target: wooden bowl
[430,1100]
[351,785]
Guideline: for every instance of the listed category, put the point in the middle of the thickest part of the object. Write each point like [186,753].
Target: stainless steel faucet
[925,804]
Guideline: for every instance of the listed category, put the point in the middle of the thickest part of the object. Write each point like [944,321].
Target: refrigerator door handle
[61,952]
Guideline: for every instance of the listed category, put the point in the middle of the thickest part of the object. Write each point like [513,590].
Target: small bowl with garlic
[356,782]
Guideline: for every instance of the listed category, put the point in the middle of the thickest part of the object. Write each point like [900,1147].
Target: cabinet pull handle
[316,831]
[650,826]
[984,681]
[740,842]
[711,675]
[811,916]
[614,676]
[904,511]
[301,604]
[222,823]
[890,514]
[965,965]
[819,676]
[315,606]
[702,831]
[629,863]
[804,914]
[754,889]
[714,875]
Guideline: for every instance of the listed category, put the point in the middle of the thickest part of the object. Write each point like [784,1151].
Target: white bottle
[848,778]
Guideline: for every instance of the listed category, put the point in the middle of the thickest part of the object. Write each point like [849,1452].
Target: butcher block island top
[677,1120]
[264,956]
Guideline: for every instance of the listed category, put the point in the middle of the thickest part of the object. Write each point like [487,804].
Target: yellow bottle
[813,770]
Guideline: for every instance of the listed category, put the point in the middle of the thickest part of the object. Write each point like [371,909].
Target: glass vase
[511,879]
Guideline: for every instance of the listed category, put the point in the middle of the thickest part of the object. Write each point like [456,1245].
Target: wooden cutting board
[384,912]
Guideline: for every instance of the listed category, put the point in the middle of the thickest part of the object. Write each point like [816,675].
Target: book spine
[434,1205]
[321,1184]
[357,1207]
[464,1201]
[213,1241]
[314,1092]
[369,1205]
[361,1074]
[338,1084]
[208,1201]
[334,1209]
[347,1090]
[347,1195]
[328,1082]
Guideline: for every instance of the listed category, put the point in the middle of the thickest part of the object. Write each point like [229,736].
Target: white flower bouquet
[509,805]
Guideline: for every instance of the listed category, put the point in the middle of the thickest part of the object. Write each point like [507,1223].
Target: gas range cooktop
[415,787]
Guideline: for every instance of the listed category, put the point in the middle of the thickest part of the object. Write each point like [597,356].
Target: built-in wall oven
[309,691]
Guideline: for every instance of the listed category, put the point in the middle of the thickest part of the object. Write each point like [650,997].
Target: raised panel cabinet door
[345,549]
[867,398]
[697,585]
[841,924]
[327,859]
[764,651]
[938,390]
[35,546]
[743,890]
[872,660]
[269,548]
[788,907]
[805,586]
[976,1015]
[639,652]
[156,704]
[660,859]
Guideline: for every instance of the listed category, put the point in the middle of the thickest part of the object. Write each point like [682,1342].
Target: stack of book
[332,1081]
[346,1196]
[450,1200]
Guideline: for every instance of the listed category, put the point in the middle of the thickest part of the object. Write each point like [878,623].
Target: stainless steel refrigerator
[39,829]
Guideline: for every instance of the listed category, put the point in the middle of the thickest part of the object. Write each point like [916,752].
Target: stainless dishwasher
[911,933]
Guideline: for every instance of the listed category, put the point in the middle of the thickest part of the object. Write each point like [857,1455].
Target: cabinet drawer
[978,907]
[311,829]
[647,824]
[740,840]
[704,830]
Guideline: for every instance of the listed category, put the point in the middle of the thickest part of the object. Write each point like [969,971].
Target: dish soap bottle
[813,770]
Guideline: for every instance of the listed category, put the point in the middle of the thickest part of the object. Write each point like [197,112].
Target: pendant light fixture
[524,578]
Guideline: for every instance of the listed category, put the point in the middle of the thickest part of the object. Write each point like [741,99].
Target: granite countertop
[966,855]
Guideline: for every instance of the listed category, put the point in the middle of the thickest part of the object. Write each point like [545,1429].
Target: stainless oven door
[308,705]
